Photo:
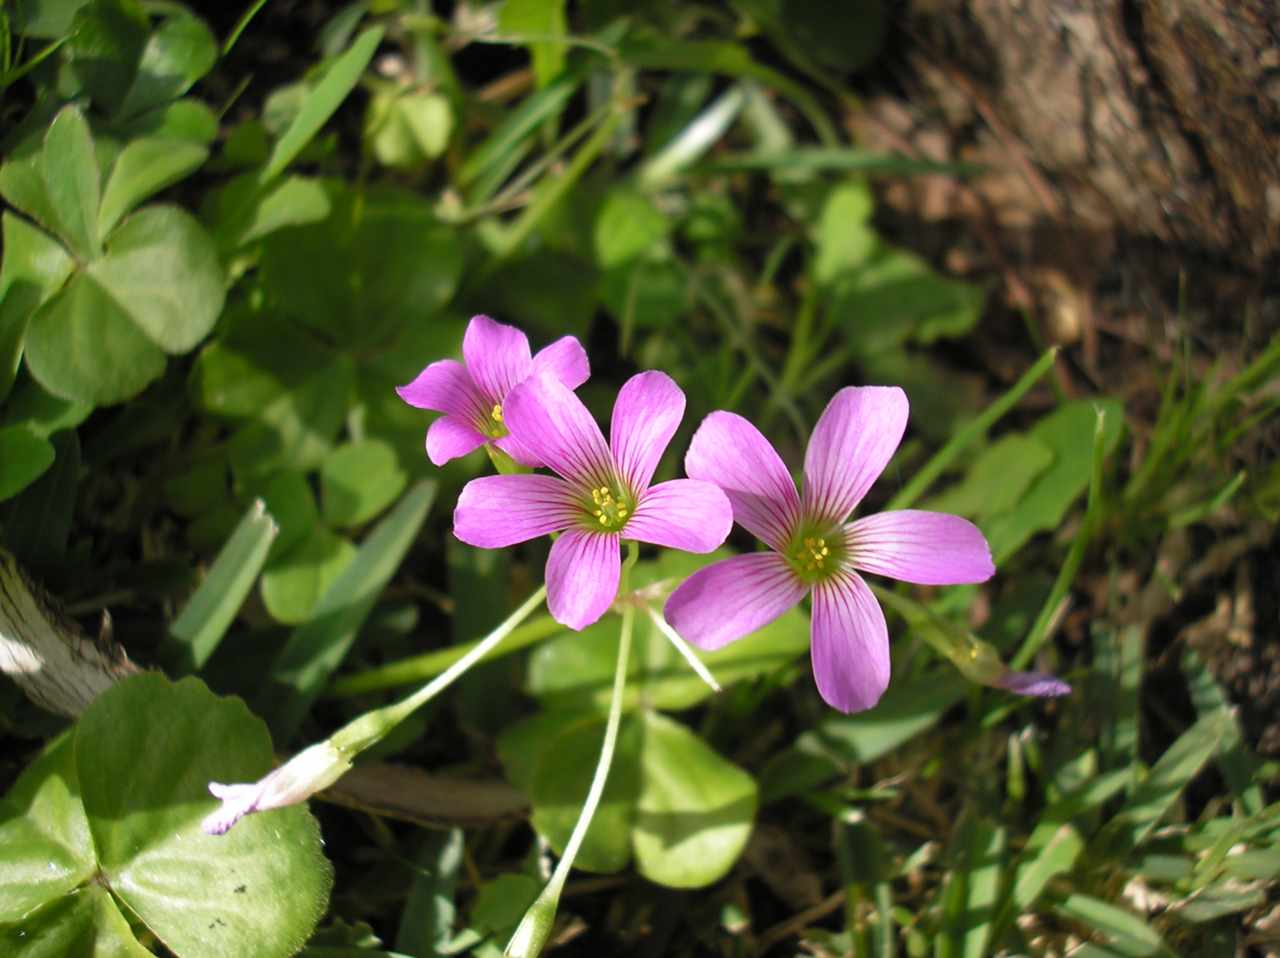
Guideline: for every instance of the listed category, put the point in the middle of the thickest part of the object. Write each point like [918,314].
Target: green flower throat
[610,507]
[814,556]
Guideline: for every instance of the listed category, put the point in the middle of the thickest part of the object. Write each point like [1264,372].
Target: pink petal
[518,451]
[449,437]
[237,802]
[854,440]
[1040,684]
[726,600]
[497,511]
[731,452]
[497,356]
[686,514]
[850,644]
[566,360]
[930,548]
[445,386]
[646,415]
[555,427]
[582,576]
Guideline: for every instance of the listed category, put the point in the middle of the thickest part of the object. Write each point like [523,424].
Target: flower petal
[311,770]
[1040,684]
[853,441]
[444,386]
[731,452]
[497,511]
[553,424]
[497,356]
[582,576]
[566,360]
[646,415]
[518,451]
[930,548]
[450,437]
[726,600]
[686,514]
[850,643]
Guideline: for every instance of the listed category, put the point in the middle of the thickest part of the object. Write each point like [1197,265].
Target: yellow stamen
[813,554]
[612,505]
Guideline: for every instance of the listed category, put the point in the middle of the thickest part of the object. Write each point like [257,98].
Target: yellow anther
[812,553]
[612,506]
[496,412]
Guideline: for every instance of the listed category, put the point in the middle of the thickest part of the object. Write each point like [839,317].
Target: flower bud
[308,772]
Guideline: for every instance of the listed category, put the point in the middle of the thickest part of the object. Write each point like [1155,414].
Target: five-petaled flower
[813,548]
[473,394]
[600,495]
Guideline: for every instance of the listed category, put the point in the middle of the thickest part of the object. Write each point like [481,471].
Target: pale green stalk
[682,647]
[1075,556]
[535,928]
[362,732]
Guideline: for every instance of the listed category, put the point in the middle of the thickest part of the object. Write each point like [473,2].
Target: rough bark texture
[1139,136]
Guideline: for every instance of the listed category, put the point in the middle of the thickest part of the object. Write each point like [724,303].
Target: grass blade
[1129,934]
[1156,794]
[196,632]
[935,467]
[318,647]
[321,102]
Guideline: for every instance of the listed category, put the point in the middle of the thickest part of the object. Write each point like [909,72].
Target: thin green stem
[1071,565]
[934,468]
[243,22]
[369,728]
[601,776]
[681,646]
[419,668]
[552,193]
[534,929]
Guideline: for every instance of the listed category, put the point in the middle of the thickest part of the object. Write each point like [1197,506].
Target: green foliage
[100,321]
[681,810]
[245,259]
[106,823]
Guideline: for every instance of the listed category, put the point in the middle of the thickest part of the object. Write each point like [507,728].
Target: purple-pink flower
[600,493]
[813,548]
[473,394]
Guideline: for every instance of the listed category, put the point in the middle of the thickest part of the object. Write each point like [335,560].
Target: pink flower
[814,549]
[472,394]
[600,495]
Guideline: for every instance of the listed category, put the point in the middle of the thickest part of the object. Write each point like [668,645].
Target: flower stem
[535,927]
[367,729]
[690,657]
[419,668]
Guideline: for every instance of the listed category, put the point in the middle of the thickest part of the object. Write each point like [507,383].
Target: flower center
[814,556]
[813,553]
[494,427]
[610,507]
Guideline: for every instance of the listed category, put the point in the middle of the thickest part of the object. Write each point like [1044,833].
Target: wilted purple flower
[1040,684]
[310,771]
[600,495]
[473,394]
[813,548]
